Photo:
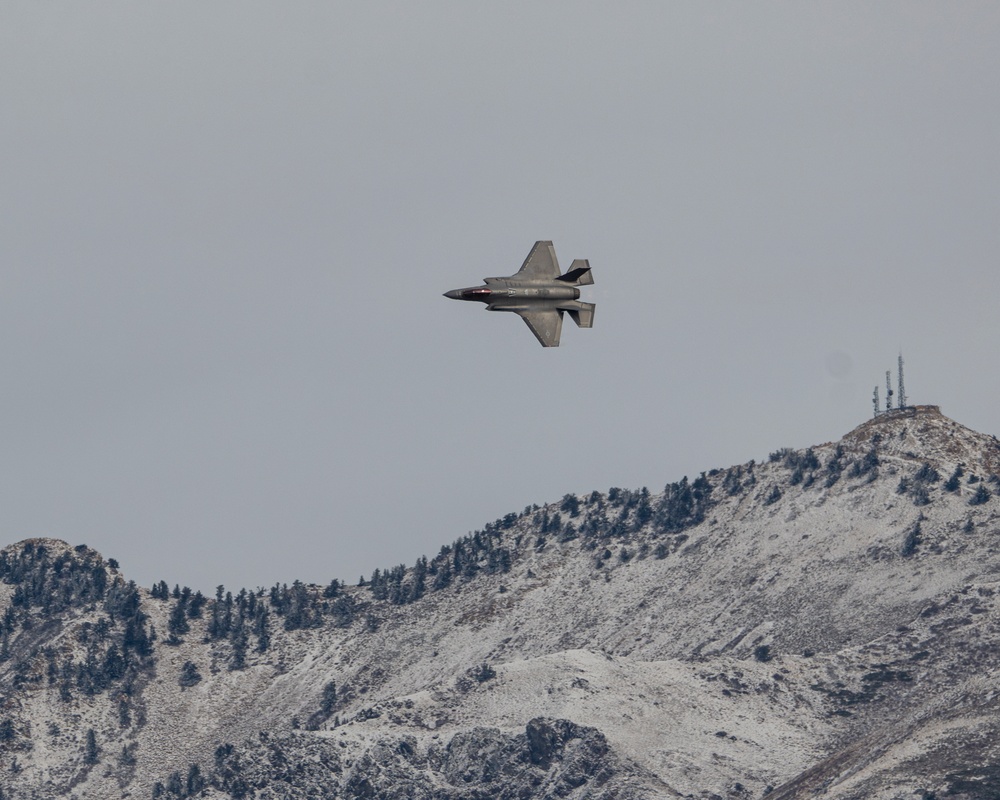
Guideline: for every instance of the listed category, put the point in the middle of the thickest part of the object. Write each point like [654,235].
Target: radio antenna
[901,401]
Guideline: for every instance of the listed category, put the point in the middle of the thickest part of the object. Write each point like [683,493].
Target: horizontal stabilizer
[579,274]
[582,313]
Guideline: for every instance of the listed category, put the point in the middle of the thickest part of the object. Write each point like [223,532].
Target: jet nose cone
[454,294]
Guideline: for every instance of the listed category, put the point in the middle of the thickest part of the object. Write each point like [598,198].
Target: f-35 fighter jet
[538,293]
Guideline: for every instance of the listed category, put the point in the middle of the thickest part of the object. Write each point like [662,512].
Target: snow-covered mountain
[823,623]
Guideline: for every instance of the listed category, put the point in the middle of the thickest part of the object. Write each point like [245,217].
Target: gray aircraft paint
[538,293]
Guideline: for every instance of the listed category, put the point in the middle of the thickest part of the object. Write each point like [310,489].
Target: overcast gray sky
[225,229]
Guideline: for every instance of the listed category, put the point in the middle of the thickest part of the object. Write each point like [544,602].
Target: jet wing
[545,324]
[541,263]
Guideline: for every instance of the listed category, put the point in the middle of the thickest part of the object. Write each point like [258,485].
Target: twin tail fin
[579,273]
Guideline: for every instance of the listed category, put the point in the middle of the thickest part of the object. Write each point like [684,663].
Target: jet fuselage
[503,294]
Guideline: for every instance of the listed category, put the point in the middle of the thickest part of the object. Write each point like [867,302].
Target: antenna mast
[875,401]
[888,390]
[902,393]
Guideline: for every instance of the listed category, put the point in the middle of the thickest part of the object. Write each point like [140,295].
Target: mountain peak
[49,549]
[923,433]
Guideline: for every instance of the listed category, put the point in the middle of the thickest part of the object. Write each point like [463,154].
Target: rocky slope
[822,623]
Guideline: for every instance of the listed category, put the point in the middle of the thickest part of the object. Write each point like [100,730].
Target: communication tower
[901,398]
[901,401]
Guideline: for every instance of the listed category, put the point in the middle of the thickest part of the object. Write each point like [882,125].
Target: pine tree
[982,495]
[217,625]
[419,584]
[262,628]
[227,614]
[911,540]
[175,785]
[343,611]
[444,575]
[570,505]
[114,664]
[91,752]
[643,512]
[124,712]
[127,757]
[189,675]
[239,641]
[762,653]
[329,701]
[195,605]
[178,622]
[160,591]
[195,781]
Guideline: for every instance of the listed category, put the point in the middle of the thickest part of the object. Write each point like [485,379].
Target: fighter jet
[538,293]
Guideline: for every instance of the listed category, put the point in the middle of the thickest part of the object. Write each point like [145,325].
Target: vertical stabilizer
[579,274]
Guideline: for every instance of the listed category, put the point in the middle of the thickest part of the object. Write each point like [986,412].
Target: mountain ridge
[735,635]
